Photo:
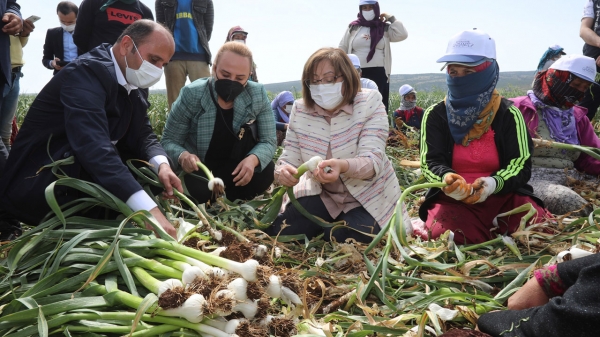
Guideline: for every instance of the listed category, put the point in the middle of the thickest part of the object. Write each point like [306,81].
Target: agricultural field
[223,276]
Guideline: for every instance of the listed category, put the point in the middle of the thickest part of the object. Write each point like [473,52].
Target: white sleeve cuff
[156,161]
[140,200]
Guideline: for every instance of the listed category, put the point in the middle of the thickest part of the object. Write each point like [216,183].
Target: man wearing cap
[364,82]
[191,22]
[551,112]
[408,113]
[474,141]
[590,33]
[238,34]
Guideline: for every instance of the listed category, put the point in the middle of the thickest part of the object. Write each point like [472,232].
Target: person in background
[10,95]
[590,33]
[59,48]
[282,107]
[12,24]
[364,82]
[559,300]
[551,112]
[552,54]
[369,37]
[474,141]
[191,22]
[209,122]
[347,128]
[238,34]
[103,21]
[93,113]
[408,113]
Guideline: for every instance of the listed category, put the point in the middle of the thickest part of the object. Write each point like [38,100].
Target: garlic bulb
[288,296]
[248,308]
[239,288]
[191,273]
[191,309]
[274,287]
[169,284]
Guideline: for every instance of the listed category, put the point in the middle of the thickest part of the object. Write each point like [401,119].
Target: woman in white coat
[369,37]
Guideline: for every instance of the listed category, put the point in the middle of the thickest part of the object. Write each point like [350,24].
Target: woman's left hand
[245,170]
[336,167]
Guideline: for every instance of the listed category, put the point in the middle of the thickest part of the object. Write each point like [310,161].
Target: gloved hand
[457,188]
[482,188]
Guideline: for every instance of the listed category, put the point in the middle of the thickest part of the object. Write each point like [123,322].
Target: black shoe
[10,229]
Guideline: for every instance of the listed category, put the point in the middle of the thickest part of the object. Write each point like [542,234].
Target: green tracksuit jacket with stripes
[512,141]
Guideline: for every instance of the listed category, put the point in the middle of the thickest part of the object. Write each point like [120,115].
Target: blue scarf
[467,97]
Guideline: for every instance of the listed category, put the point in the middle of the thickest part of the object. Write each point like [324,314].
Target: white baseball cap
[355,60]
[578,65]
[469,46]
[366,2]
[405,89]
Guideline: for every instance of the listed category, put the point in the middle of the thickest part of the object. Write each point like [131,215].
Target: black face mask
[227,89]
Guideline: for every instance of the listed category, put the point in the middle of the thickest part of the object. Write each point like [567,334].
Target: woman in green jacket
[226,122]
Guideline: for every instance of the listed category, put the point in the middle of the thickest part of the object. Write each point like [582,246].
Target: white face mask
[240,41]
[327,96]
[68,28]
[146,76]
[368,15]
[288,108]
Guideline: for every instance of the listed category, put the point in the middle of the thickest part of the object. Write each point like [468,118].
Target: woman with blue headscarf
[552,54]
[282,106]
[477,143]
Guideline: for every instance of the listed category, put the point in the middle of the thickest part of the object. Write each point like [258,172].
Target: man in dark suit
[59,48]
[92,113]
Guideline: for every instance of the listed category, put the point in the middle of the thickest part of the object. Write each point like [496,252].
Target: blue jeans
[8,108]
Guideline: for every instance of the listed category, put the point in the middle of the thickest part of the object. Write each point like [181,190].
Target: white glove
[482,188]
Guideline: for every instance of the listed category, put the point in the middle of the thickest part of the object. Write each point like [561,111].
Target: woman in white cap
[551,112]
[369,37]
[364,82]
[408,113]
[475,141]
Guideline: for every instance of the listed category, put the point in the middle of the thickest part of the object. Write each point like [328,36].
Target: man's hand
[285,175]
[164,223]
[457,188]
[598,61]
[529,296]
[336,167]
[28,27]
[13,25]
[188,162]
[55,65]
[169,179]
[245,170]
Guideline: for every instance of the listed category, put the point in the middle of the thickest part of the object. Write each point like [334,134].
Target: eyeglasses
[327,79]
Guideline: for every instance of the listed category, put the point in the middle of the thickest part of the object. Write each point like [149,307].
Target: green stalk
[152,265]
[190,203]
[205,169]
[183,258]
[179,265]
[123,330]
[590,151]
[247,269]
[147,280]
[156,331]
[481,245]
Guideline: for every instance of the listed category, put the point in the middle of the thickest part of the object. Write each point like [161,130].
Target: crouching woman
[347,127]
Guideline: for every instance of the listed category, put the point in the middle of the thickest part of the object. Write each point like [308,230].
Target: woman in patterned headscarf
[475,141]
[551,112]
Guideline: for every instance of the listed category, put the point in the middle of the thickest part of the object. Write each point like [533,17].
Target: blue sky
[283,33]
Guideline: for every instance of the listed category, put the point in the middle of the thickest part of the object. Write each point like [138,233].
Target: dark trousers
[357,218]
[377,75]
[197,185]
[591,100]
